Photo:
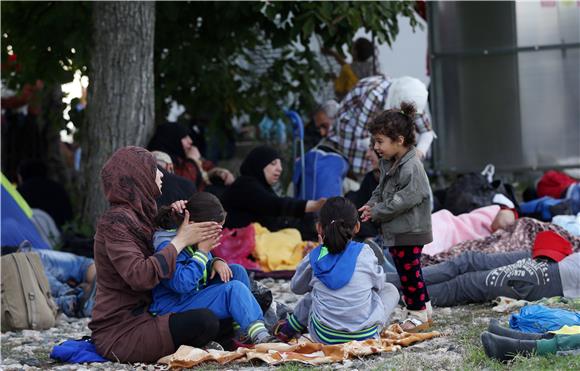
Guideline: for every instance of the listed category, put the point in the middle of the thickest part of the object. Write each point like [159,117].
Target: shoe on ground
[213,345]
[417,320]
[504,348]
[495,328]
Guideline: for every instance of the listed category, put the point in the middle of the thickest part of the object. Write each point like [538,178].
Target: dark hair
[396,122]
[28,169]
[364,49]
[338,218]
[202,207]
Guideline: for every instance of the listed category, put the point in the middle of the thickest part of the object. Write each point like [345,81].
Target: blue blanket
[76,351]
[540,319]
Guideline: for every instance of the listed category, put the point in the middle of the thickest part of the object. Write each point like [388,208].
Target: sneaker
[284,332]
[268,339]
[242,342]
[213,345]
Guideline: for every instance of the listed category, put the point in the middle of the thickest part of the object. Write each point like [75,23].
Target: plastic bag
[262,294]
[541,319]
[236,246]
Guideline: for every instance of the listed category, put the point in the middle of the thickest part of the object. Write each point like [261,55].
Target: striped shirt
[357,110]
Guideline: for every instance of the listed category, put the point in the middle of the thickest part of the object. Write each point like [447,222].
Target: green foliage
[43,36]
[213,57]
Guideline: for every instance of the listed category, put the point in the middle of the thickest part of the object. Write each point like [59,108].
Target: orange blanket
[392,339]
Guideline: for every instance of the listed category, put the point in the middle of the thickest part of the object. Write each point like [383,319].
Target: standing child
[202,281]
[401,204]
[347,297]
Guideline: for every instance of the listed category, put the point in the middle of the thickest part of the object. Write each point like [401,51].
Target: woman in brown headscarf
[128,269]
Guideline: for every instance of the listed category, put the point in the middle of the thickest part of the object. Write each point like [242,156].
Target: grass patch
[294,366]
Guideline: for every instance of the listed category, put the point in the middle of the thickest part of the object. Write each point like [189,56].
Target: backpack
[469,192]
[26,299]
[325,170]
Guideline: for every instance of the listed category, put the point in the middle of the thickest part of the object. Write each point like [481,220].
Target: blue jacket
[191,275]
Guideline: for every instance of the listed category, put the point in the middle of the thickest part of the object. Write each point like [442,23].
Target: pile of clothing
[256,248]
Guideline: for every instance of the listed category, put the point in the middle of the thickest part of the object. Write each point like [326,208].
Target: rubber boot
[504,348]
[495,328]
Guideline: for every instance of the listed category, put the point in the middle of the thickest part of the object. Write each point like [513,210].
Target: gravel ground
[29,350]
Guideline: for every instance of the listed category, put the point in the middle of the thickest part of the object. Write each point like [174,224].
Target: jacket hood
[162,235]
[335,270]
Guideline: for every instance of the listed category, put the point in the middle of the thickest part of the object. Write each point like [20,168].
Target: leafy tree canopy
[216,58]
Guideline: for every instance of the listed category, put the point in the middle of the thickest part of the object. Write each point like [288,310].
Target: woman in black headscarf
[251,197]
[174,139]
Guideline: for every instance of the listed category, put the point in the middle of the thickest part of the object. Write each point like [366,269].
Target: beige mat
[392,339]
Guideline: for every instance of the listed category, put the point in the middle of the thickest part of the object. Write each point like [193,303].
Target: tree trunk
[121,92]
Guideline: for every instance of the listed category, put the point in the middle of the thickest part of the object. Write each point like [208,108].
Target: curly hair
[396,122]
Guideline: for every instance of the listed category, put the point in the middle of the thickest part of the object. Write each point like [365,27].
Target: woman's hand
[179,206]
[365,213]
[223,269]
[208,245]
[227,177]
[193,233]
[314,206]
[193,153]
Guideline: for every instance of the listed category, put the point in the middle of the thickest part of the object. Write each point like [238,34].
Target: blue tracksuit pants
[231,299]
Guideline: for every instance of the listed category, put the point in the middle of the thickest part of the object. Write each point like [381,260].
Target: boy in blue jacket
[203,281]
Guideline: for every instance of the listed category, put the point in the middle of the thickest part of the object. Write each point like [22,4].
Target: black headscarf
[255,162]
[167,139]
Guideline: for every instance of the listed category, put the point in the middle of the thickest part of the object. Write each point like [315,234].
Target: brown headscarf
[129,183]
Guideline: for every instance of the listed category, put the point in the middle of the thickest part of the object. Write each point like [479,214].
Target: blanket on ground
[449,229]
[256,248]
[518,236]
[392,339]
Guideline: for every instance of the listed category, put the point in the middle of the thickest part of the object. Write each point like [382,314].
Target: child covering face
[204,281]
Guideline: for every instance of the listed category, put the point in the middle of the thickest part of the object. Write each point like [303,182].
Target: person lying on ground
[551,269]
[251,198]
[345,295]
[449,229]
[72,278]
[203,281]
[505,344]
[128,268]
[517,236]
